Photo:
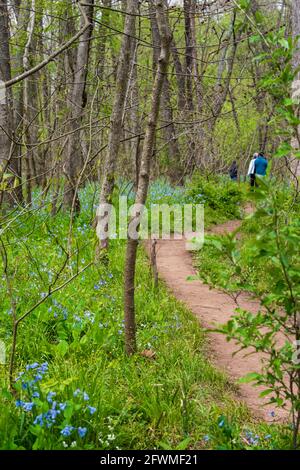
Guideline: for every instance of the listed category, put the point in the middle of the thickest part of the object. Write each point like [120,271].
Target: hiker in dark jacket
[233,171]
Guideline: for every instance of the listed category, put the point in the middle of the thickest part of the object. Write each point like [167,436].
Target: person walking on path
[233,171]
[261,165]
[251,170]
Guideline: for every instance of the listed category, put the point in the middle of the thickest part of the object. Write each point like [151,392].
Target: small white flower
[65,444]
[74,444]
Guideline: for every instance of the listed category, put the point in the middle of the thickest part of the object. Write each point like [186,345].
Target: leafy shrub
[220,194]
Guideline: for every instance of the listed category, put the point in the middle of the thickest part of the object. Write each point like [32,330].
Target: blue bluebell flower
[82,431]
[28,406]
[92,409]
[39,420]
[38,377]
[19,376]
[32,366]
[67,431]
[52,414]
[35,395]
[50,397]
[85,396]
[77,392]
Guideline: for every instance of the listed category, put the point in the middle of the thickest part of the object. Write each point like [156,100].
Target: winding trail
[210,306]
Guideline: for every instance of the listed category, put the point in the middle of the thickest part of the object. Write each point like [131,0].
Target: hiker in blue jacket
[260,165]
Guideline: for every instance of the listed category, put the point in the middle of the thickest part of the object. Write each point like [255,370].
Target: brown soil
[212,307]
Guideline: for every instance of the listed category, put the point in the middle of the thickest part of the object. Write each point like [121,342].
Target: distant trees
[80,75]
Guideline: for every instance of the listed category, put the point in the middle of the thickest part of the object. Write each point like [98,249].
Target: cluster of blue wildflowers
[252,439]
[58,310]
[160,190]
[34,374]
[68,431]
[103,282]
[82,229]
[37,402]
[88,197]
[100,284]
[87,318]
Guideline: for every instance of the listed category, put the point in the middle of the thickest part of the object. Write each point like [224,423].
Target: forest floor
[212,307]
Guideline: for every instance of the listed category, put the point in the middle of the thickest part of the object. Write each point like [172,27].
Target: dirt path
[211,306]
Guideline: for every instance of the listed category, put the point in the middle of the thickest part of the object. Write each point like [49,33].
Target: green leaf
[254,39]
[253,376]
[183,444]
[284,43]
[266,392]
[62,348]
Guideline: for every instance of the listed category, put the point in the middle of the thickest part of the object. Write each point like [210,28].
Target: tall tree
[296,63]
[8,162]
[5,75]
[78,100]
[144,177]
[116,120]
[169,129]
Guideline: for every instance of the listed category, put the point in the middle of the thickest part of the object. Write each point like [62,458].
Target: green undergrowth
[75,386]
[140,402]
[223,199]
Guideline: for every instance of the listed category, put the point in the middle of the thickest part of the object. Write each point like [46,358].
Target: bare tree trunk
[5,97]
[23,16]
[78,102]
[8,161]
[103,41]
[189,49]
[26,109]
[116,121]
[295,164]
[134,114]
[180,79]
[166,107]
[221,89]
[142,191]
